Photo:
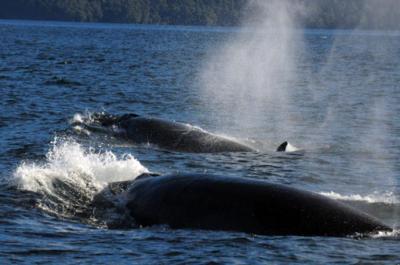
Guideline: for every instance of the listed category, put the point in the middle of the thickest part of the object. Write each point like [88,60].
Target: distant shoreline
[318,14]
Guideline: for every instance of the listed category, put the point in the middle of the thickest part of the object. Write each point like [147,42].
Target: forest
[318,13]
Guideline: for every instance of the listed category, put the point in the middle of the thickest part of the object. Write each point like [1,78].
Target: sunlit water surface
[344,114]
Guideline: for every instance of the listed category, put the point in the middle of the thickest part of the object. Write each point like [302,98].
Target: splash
[78,118]
[395,234]
[91,122]
[79,121]
[387,198]
[88,117]
[71,175]
[382,205]
[69,161]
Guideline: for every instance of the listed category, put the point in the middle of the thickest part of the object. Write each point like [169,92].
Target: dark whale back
[242,204]
[177,136]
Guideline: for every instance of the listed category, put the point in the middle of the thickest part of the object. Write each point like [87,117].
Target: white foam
[387,197]
[385,234]
[78,118]
[80,129]
[69,162]
[83,118]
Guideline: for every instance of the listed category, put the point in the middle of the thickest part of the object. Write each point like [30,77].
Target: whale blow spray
[249,78]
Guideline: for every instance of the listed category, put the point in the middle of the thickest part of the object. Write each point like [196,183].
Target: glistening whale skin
[167,134]
[241,204]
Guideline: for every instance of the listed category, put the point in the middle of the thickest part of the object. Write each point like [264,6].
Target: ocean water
[343,115]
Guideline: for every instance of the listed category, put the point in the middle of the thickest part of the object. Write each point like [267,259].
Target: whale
[165,134]
[286,147]
[214,202]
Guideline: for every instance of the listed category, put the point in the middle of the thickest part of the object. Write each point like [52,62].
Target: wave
[384,206]
[395,234]
[376,197]
[71,175]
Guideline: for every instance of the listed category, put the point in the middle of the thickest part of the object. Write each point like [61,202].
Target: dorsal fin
[282,147]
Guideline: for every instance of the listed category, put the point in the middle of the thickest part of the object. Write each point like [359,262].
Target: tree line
[318,13]
[180,12]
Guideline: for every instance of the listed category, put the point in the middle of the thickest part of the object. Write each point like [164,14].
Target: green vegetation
[318,13]
[181,12]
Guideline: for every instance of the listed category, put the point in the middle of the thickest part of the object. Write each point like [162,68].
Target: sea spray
[248,80]
[71,175]
[371,64]
[376,197]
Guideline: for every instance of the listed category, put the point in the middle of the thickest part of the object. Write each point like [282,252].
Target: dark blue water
[344,114]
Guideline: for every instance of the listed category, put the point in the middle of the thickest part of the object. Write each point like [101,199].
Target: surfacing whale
[238,204]
[287,147]
[165,134]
